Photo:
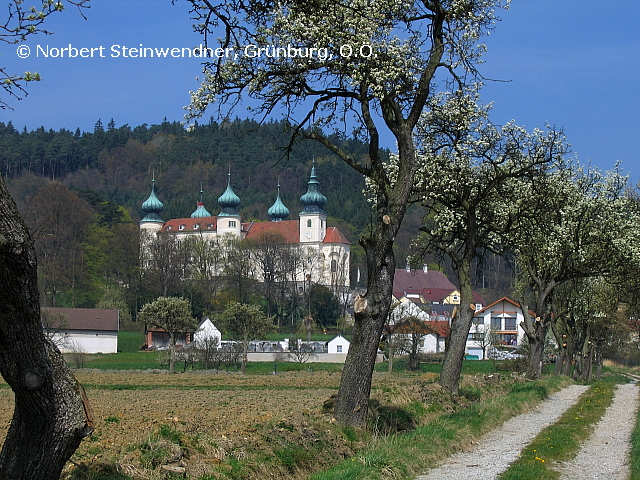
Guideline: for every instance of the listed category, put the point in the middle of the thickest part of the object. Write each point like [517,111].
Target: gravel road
[604,454]
[498,449]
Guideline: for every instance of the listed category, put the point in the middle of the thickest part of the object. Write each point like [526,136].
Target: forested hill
[117,163]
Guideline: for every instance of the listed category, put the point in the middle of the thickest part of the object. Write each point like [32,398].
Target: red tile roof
[85,318]
[432,285]
[288,229]
[335,236]
[419,280]
[177,225]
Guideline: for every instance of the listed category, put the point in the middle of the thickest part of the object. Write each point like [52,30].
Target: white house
[338,344]
[207,331]
[497,325]
[87,330]
[434,332]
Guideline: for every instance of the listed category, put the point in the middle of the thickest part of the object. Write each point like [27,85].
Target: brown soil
[224,425]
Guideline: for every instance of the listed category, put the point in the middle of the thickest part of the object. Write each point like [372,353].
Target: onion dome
[152,206]
[200,211]
[229,201]
[313,200]
[278,211]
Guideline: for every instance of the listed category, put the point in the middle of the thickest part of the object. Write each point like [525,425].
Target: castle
[324,250]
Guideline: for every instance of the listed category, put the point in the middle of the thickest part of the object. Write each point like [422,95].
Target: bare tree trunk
[51,414]
[460,326]
[370,312]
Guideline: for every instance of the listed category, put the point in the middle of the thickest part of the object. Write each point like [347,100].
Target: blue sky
[571,63]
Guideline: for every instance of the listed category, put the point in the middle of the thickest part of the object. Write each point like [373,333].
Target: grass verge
[403,456]
[634,455]
[561,441]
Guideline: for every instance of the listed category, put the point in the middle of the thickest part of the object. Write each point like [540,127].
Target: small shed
[207,331]
[87,330]
[338,344]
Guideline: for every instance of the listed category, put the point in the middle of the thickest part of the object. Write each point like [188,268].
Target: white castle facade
[323,251]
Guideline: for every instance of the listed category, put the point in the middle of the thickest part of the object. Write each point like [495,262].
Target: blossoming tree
[577,224]
[470,170]
[370,66]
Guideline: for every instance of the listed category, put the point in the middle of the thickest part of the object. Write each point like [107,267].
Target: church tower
[313,219]
[151,222]
[229,219]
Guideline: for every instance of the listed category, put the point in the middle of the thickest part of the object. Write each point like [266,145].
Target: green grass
[405,455]
[130,342]
[634,456]
[123,361]
[561,441]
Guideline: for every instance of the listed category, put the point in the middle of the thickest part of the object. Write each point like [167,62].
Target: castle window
[169,227]
[196,226]
[232,224]
[309,223]
[182,227]
[334,265]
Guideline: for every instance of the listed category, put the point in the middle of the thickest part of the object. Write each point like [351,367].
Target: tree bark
[460,326]
[370,314]
[51,414]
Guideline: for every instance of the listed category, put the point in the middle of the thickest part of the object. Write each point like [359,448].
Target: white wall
[87,342]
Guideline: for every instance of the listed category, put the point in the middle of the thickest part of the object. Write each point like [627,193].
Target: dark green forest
[80,195]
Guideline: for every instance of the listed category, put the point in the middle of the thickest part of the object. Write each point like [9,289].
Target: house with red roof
[428,288]
[324,250]
[428,295]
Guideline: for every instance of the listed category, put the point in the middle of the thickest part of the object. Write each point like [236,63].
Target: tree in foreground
[173,315]
[245,323]
[51,413]
[359,66]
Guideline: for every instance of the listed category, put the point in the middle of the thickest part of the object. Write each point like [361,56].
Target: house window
[181,227]
[232,224]
[496,322]
[334,266]
[510,324]
[339,348]
[308,223]
[478,320]
[456,298]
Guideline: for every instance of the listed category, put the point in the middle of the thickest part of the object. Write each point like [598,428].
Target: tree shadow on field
[389,419]
[102,470]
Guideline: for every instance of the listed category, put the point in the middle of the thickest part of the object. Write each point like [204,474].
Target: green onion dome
[152,207]
[229,202]
[313,200]
[278,211]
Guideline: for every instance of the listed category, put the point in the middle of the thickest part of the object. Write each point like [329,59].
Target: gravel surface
[605,453]
[498,449]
